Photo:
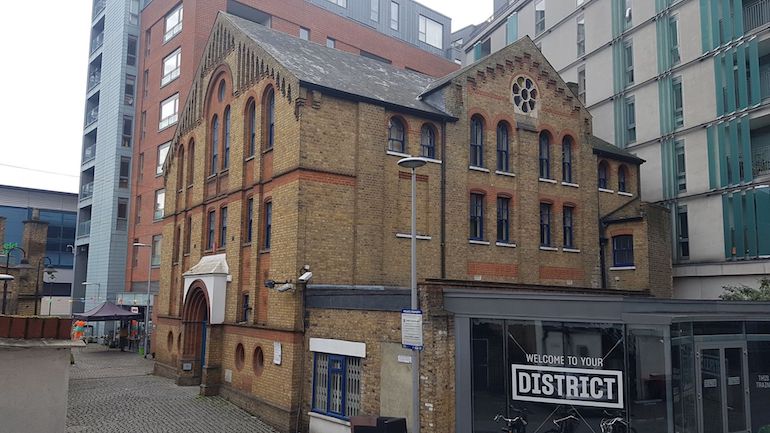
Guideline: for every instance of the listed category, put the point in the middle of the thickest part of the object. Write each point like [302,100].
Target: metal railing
[97,42]
[92,116]
[87,191]
[99,7]
[756,15]
[89,153]
[94,79]
[84,228]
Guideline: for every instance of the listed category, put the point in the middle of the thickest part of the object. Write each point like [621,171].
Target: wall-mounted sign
[276,353]
[575,386]
[135,310]
[411,329]
[763,381]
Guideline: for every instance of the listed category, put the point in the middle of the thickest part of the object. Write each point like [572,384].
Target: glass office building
[660,365]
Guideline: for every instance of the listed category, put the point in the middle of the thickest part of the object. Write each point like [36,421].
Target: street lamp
[147,308]
[50,271]
[413,163]
[7,265]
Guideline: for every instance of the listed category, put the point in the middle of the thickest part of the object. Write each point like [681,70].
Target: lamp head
[412,162]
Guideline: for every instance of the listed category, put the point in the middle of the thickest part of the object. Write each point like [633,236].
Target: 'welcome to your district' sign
[575,386]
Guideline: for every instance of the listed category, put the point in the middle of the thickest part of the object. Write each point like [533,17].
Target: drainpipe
[443,199]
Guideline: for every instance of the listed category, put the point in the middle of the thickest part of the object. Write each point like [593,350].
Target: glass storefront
[569,376]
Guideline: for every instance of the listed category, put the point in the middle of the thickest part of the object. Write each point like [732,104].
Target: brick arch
[210,101]
[194,322]
[550,129]
[478,112]
[512,125]
[568,132]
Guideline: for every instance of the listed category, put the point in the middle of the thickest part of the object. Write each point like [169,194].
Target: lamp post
[7,265]
[37,279]
[413,163]
[146,308]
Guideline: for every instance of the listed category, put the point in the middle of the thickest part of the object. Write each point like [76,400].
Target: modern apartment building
[174,35]
[683,84]
[106,163]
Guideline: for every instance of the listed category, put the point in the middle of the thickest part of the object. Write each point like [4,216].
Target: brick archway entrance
[195,319]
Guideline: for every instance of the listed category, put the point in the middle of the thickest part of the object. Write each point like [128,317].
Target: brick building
[173,37]
[285,156]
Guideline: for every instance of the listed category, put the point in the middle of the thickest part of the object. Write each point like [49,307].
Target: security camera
[305,277]
[284,287]
[269,284]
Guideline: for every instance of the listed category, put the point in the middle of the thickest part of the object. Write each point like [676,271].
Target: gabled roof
[603,148]
[315,65]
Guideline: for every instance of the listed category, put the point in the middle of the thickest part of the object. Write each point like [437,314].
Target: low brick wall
[33,327]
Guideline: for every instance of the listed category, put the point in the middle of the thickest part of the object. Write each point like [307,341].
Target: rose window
[524,94]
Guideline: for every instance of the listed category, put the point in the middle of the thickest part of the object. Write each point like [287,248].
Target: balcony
[99,7]
[87,191]
[89,153]
[94,79]
[755,14]
[84,229]
[97,42]
[92,116]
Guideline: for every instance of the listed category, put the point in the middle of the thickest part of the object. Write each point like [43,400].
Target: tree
[746,293]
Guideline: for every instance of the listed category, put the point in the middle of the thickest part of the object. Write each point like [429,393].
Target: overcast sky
[43,89]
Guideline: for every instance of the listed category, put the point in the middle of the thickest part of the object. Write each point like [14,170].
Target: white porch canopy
[214,272]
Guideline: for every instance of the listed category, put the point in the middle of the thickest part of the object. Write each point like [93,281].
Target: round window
[524,94]
[239,356]
[258,361]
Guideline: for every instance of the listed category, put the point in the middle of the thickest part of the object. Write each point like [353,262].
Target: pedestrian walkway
[115,392]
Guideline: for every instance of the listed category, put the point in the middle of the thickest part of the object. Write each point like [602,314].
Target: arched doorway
[194,321]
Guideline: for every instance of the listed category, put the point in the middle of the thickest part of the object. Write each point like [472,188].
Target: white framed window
[539,16]
[304,34]
[160,203]
[431,32]
[173,23]
[133,12]
[628,55]
[331,43]
[394,15]
[155,255]
[581,35]
[341,3]
[162,153]
[169,111]
[374,10]
[171,65]
[630,120]
[678,102]
[673,25]
[581,80]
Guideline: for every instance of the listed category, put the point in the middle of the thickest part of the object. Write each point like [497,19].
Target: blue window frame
[252,128]
[396,136]
[545,156]
[477,217]
[223,227]
[270,119]
[545,224]
[336,385]
[214,144]
[603,175]
[622,179]
[569,231]
[226,139]
[503,221]
[210,228]
[249,218]
[566,160]
[623,250]
[502,147]
[428,142]
[477,142]
[268,223]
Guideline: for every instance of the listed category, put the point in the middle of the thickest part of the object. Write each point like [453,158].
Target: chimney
[574,87]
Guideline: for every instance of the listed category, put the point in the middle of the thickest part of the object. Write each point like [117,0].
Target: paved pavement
[114,392]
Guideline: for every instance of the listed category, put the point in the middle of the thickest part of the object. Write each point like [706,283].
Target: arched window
[502,147]
[180,170]
[221,93]
[603,175]
[214,145]
[622,179]
[428,142]
[566,159]
[190,163]
[251,122]
[477,142]
[396,138]
[226,139]
[545,155]
[269,115]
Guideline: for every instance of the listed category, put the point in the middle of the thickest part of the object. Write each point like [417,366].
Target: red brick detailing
[407,175]
[491,191]
[489,95]
[493,269]
[621,232]
[555,273]
[29,328]
[266,334]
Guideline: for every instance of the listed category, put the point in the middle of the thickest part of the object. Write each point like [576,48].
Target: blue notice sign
[411,329]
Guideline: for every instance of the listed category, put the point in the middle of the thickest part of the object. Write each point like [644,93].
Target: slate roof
[604,148]
[317,65]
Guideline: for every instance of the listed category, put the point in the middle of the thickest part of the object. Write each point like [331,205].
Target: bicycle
[565,424]
[517,424]
[615,423]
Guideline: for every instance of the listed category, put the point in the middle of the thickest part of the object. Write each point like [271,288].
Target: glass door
[722,388]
